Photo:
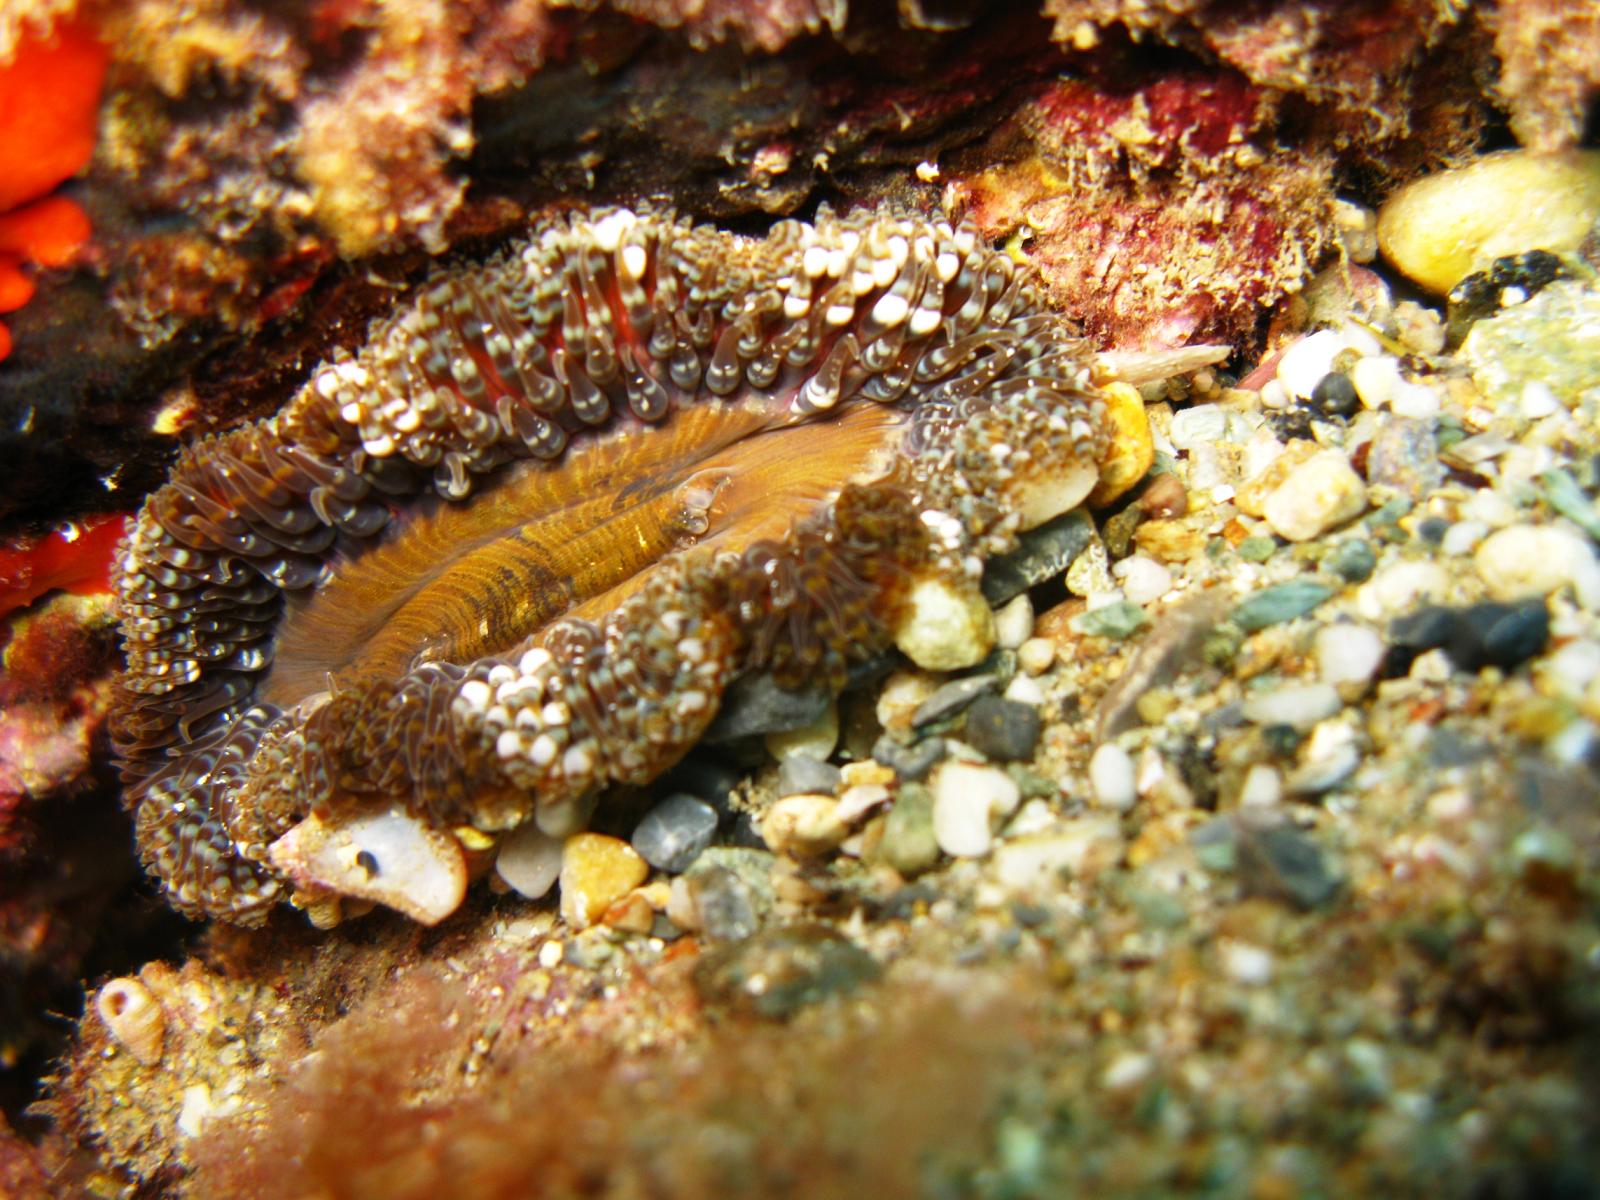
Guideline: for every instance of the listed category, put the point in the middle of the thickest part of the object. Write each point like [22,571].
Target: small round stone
[1318,495]
[815,739]
[1262,787]
[1003,729]
[1401,587]
[1444,226]
[1036,655]
[967,801]
[1297,705]
[909,762]
[805,826]
[1112,779]
[1116,621]
[1348,653]
[1335,395]
[1306,363]
[909,844]
[1024,689]
[674,832]
[1281,863]
[1013,622]
[596,871]
[1375,379]
[944,628]
[1143,579]
[529,861]
[1533,560]
[1246,964]
[802,773]
[1418,401]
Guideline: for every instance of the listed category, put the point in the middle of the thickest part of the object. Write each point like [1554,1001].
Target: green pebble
[1221,645]
[1257,549]
[1285,602]
[1352,560]
[1388,514]
[908,844]
[1562,493]
[1113,621]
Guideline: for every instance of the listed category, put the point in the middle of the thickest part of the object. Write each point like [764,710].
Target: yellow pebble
[1443,227]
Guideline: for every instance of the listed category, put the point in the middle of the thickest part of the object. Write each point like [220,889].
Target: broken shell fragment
[389,857]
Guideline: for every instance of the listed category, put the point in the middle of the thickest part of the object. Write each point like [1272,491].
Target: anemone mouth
[515,548]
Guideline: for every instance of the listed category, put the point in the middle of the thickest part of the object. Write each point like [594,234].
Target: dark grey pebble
[1432,529]
[801,773]
[726,904]
[1005,730]
[1478,636]
[705,775]
[951,698]
[1279,862]
[911,763]
[1335,395]
[674,832]
[1041,554]
[757,703]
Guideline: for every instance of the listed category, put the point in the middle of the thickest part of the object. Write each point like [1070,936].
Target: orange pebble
[49,232]
[49,99]
[16,289]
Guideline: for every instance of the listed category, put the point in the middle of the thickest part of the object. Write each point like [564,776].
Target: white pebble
[1081,847]
[1127,1071]
[1262,787]
[1143,579]
[1376,379]
[1036,655]
[944,627]
[1013,623]
[1245,963]
[1416,400]
[1273,395]
[1463,537]
[1538,400]
[1400,588]
[1523,561]
[1348,653]
[1317,495]
[967,801]
[1299,705]
[1573,668]
[1205,425]
[1363,341]
[1490,507]
[1111,778]
[1308,361]
[529,861]
[1024,689]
